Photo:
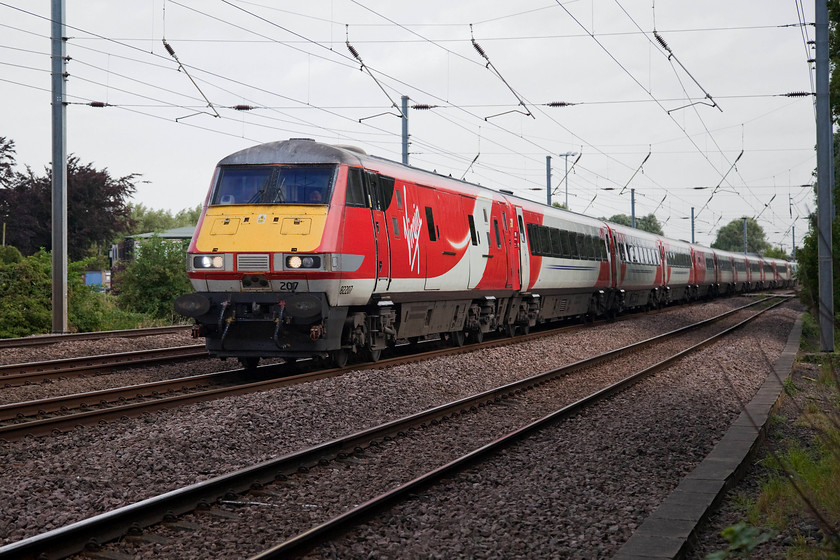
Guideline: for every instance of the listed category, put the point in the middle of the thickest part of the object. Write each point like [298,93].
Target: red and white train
[305,249]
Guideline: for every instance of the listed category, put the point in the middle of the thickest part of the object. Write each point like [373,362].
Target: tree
[97,209]
[731,237]
[7,161]
[776,253]
[148,220]
[151,282]
[650,224]
[647,223]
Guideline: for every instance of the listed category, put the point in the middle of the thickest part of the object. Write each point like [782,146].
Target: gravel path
[49,482]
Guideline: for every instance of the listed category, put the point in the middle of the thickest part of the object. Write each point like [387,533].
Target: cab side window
[355,188]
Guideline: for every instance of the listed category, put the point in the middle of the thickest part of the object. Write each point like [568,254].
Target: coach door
[499,234]
[381,190]
[520,245]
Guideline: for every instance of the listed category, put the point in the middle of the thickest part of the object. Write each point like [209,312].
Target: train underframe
[253,325]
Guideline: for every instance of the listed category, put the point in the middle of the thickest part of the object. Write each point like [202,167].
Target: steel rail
[68,422]
[29,372]
[74,538]
[12,411]
[42,339]
[306,540]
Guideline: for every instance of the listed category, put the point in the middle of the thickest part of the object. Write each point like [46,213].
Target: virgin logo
[412,236]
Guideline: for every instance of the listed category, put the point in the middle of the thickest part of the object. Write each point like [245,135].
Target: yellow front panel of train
[278,229]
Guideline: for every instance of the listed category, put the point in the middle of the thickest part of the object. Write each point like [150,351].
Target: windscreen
[265,184]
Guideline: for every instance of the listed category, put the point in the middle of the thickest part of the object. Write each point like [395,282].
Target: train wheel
[374,355]
[478,337]
[456,338]
[249,362]
[525,329]
[339,357]
[510,330]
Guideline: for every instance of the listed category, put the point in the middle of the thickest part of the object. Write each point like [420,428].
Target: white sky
[290,60]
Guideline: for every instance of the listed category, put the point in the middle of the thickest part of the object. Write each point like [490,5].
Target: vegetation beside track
[149,287]
[789,506]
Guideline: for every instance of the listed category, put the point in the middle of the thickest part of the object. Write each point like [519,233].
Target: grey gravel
[52,481]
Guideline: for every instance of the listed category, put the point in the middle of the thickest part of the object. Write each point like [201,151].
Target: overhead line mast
[59,170]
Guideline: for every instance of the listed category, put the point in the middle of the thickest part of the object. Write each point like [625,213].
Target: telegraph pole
[59,171]
[825,175]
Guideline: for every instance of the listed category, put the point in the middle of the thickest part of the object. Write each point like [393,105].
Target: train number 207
[288,286]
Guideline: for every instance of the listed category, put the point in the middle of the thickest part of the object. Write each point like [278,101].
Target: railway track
[43,339]
[64,413]
[114,524]
[33,372]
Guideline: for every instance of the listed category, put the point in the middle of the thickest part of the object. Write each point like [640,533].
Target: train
[310,250]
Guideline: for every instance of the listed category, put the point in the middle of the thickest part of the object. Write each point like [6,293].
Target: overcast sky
[708,117]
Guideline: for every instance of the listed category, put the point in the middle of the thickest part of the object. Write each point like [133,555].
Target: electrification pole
[633,207]
[548,180]
[692,224]
[567,155]
[405,130]
[825,175]
[59,172]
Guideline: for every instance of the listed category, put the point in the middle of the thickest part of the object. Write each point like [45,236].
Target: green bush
[157,275]
[26,293]
[9,255]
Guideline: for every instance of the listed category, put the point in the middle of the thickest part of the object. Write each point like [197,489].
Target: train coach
[305,249]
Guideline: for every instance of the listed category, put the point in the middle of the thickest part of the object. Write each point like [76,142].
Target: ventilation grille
[252,262]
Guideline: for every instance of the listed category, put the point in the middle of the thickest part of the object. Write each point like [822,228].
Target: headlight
[303,261]
[208,261]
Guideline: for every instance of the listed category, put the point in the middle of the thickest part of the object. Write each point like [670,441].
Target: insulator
[423,107]
[661,41]
[97,104]
[798,94]
[479,49]
[559,104]
[169,48]
[354,52]
[244,107]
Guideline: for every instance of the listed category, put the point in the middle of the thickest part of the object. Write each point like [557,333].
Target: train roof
[307,150]
[296,150]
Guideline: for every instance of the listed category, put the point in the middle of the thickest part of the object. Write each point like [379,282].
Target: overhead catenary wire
[358,57]
[171,52]
[262,104]
[490,66]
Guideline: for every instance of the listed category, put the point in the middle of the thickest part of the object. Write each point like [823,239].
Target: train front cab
[263,259]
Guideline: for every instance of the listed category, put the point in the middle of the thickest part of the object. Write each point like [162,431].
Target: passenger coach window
[430,222]
[496,227]
[473,236]
[556,245]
